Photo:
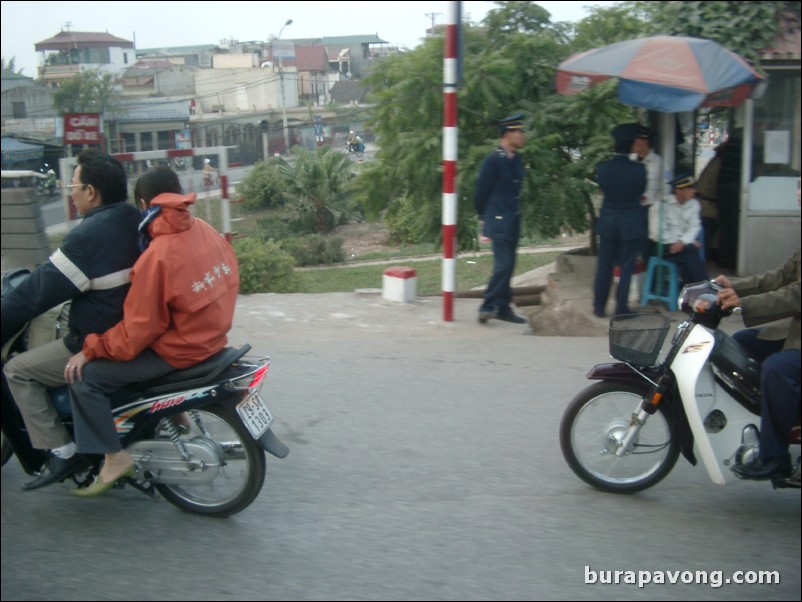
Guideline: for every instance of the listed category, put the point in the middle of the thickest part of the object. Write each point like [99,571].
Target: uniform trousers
[498,294]
[613,251]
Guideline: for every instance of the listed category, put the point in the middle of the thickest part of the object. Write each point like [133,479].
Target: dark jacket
[91,268]
[496,195]
[622,182]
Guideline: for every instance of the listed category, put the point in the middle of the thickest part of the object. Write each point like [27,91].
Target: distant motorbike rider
[208,173]
[354,142]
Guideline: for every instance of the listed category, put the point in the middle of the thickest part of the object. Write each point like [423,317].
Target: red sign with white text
[82,128]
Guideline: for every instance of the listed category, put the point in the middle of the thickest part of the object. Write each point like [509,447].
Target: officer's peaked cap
[628,131]
[683,180]
[513,122]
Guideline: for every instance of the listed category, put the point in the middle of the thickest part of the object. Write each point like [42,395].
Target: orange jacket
[183,292]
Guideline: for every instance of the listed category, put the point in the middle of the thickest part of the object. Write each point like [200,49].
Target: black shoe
[598,314]
[763,469]
[55,470]
[511,317]
[485,315]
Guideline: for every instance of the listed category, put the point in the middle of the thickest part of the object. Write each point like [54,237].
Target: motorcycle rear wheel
[592,428]
[241,476]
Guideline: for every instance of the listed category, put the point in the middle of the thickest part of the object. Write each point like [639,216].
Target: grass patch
[471,272]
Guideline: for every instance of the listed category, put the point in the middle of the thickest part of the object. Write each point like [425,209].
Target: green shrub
[264,186]
[264,267]
[274,227]
[409,221]
[314,249]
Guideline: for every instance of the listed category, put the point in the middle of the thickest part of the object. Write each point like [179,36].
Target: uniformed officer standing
[621,227]
[496,201]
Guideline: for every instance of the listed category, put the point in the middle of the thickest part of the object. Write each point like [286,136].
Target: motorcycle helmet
[207,161]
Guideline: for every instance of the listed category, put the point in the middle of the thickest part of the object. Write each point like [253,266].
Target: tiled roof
[66,40]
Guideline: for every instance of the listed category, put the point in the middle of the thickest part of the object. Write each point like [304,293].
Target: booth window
[776,144]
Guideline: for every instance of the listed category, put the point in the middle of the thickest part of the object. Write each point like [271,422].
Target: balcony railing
[50,72]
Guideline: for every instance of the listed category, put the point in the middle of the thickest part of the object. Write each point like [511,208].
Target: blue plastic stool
[654,276]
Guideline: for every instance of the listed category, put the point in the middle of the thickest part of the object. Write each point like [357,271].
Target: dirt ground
[359,239]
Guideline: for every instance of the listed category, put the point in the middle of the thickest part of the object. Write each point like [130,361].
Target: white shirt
[655,189]
[678,222]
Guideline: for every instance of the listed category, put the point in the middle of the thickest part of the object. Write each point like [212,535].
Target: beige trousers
[29,375]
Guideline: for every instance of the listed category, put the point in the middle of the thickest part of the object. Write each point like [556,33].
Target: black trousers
[95,431]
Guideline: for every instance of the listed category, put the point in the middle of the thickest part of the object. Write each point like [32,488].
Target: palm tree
[319,180]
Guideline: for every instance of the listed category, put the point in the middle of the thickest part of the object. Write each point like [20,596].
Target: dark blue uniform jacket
[622,182]
[496,195]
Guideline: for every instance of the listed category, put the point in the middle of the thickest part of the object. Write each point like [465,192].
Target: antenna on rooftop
[432,16]
[68,24]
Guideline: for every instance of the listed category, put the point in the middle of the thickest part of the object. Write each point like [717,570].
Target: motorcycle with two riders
[198,435]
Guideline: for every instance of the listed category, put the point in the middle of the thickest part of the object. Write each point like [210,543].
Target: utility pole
[283,99]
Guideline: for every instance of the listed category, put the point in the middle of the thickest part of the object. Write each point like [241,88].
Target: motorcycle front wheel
[592,428]
[242,467]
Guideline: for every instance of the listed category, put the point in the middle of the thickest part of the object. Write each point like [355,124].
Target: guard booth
[769,224]
[759,149]
[758,219]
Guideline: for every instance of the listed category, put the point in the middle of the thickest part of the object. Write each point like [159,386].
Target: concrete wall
[24,242]
[245,90]
[772,238]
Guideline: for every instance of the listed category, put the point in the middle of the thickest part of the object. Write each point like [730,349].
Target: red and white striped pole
[450,145]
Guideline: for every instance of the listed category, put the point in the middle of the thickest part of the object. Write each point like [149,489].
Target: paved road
[424,465]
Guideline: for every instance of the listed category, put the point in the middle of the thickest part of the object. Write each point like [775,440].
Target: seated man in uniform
[674,226]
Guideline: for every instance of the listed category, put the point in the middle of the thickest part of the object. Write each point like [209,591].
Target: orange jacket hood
[175,215]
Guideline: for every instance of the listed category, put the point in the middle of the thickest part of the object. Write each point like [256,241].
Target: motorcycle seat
[198,374]
[188,378]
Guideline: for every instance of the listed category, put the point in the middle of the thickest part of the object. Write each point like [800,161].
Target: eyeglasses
[82,186]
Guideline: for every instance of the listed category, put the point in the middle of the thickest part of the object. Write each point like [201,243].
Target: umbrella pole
[667,131]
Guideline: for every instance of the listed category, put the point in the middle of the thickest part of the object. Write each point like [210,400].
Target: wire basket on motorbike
[638,338]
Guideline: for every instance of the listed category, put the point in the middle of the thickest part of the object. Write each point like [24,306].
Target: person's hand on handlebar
[728,299]
[723,281]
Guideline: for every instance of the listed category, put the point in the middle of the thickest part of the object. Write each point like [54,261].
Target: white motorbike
[624,433]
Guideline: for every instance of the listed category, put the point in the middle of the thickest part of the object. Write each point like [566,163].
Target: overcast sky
[160,24]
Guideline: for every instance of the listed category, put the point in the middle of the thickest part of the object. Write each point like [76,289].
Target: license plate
[255,415]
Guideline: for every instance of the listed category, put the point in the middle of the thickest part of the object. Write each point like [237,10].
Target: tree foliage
[11,65]
[91,91]
[508,66]
[743,27]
